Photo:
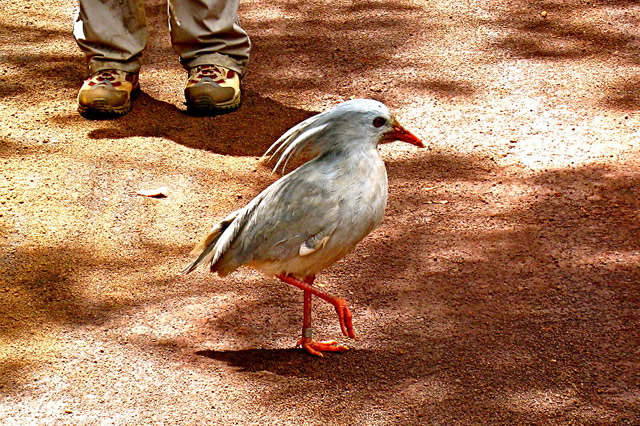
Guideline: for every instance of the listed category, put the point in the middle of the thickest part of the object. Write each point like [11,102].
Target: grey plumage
[316,214]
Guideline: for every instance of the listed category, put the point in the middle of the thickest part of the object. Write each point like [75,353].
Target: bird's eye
[379,121]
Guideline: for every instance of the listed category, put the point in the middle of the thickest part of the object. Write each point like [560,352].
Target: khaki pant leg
[208,32]
[111,33]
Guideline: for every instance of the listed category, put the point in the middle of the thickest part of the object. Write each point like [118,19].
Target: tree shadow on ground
[304,47]
[531,313]
[576,31]
[544,304]
[46,280]
[559,36]
[35,72]
[537,301]
[625,96]
[526,311]
[529,306]
[45,287]
[321,39]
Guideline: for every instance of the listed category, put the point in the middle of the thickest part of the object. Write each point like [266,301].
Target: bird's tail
[205,249]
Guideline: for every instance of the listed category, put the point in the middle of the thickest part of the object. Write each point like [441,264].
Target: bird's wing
[314,243]
[295,216]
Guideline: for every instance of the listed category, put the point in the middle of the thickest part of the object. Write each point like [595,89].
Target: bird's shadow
[277,361]
[345,366]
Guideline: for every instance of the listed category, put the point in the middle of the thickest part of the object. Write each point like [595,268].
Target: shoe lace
[212,72]
[106,75]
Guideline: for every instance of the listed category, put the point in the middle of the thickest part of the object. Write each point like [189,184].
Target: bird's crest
[328,130]
[295,140]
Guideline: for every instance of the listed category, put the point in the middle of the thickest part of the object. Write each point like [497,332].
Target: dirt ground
[501,288]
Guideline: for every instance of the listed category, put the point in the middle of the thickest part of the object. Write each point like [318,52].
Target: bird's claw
[344,316]
[316,348]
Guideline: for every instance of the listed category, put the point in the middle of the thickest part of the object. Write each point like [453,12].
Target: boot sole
[100,108]
[205,105]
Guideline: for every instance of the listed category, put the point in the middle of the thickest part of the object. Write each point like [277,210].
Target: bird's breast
[365,199]
[362,187]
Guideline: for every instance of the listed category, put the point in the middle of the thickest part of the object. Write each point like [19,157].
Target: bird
[316,214]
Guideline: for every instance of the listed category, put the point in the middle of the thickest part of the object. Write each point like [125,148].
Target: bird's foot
[316,348]
[342,308]
[344,316]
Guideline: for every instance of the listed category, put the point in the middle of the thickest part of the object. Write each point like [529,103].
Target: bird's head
[366,120]
[352,124]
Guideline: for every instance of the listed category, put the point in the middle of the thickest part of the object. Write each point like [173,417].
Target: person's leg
[214,48]
[112,34]
[208,32]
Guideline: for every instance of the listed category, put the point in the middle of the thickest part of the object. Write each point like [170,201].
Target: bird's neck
[350,162]
[351,152]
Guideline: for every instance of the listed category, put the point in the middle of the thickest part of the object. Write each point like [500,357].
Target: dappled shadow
[327,31]
[575,31]
[531,307]
[311,46]
[558,36]
[44,288]
[625,96]
[41,290]
[479,295]
[30,34]
[34,70]
[536,306]
[436,167]
[450,88]
[281,61]
[475,309]
[302,47]
[44,284]
[40,73]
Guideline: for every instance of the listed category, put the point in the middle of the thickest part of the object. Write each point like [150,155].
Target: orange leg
[344,316]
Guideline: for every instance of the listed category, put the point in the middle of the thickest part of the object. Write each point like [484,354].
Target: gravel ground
[501,288]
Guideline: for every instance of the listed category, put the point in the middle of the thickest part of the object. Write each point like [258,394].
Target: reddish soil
[502,286]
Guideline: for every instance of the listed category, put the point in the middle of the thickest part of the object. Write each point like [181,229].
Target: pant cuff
[96,65]
[215,59]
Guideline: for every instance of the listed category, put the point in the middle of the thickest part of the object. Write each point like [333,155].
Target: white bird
[315,215]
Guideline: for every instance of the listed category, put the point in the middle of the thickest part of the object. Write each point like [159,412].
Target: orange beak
[399,133]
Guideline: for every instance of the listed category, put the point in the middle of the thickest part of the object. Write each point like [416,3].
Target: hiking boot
[107,93]
[212,90]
